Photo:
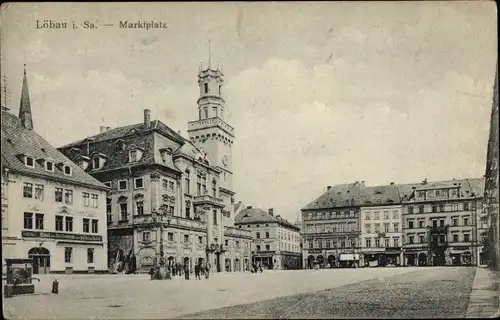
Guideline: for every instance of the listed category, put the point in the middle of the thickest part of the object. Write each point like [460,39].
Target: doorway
[41,260]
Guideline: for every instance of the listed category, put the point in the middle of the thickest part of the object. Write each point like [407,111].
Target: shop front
[349,260]
[415,257]
[461,256]
[265,259]
[393,257]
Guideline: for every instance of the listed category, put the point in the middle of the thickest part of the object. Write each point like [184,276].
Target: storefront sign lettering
[60,236]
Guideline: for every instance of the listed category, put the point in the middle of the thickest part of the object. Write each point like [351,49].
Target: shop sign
[413,249]
[315,251]
[60,236]
[459,248]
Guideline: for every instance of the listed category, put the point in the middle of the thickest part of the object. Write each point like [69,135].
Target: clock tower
[213,134]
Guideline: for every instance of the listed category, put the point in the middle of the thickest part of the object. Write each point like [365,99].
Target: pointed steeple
[25,107]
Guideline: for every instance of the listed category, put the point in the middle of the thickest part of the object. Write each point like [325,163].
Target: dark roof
[17,140]
[123,131]
[256,215]
[134,136]
[377,196]
[357,195]
[340,195]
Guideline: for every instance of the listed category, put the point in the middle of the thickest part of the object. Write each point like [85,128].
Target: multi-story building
[171,198]
[430,223]
[298,224]
[381,226]
[276,242]
[440,222]
[52,211]
[491,209]
[331,227]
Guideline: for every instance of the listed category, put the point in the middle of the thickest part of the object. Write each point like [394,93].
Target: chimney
[249,207]
[392,183]
[363,183]
[271,211]
[328,188]
[147,118]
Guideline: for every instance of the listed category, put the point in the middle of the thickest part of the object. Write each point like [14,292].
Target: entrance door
[41,260]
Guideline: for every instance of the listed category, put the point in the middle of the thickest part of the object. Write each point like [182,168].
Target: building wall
[330,232]
[55,241]
[458,214]
[377,221]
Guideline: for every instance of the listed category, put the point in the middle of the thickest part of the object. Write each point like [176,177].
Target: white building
[52,211]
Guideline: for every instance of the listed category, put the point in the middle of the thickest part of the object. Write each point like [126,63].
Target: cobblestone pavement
[436,293]
[344,293]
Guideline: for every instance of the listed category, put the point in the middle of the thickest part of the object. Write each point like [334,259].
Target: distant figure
[186,271]
[197,268]
[207,270]
[152,272]
[174,270]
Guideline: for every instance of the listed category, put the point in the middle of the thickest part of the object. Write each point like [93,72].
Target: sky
[318,93]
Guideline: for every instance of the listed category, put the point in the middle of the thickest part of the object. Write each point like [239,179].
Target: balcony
[209,200]
[438,229]
[175,222]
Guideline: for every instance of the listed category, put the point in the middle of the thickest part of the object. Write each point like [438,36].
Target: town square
[250,160]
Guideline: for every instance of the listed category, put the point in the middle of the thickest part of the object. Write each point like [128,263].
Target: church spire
[25,107]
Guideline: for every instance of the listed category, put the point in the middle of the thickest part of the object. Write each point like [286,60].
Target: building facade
[440,223]
[381,226]
[331,228]
[422,224]
[276,242]
[171,198]
[52,211]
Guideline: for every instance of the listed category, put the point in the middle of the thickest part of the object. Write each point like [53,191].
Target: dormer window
[49,166]
[67,170]
[165,153]
[95,163]
[135,155]
[120,144]
[29,162]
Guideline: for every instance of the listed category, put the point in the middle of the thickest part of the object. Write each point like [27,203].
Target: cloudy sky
[319,93]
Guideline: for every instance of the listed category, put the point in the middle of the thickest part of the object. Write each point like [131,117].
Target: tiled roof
[123,131]
[340,195]
[357,195]
[18,140]
[377,196]
[109,143]
[254,215]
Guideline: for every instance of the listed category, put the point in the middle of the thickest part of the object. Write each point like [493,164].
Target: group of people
[256,267]
[177,269]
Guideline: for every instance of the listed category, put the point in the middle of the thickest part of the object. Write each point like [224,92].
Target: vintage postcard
[256,160]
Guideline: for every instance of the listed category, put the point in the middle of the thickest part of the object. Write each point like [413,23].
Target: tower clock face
[224,161]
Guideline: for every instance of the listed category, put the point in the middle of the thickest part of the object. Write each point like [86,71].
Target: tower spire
[25,107]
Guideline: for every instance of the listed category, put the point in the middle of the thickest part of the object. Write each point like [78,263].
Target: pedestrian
[174,270]
[207,270]
[186,271]
[197,272]
[152,272]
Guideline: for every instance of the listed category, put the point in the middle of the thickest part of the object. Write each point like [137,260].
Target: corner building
[441,222]
[52,211]
[151,170]
[276,242]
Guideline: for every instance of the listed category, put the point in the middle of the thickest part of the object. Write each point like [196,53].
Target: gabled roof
[18,140]
[377,196]
[477,186]
[409,188]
